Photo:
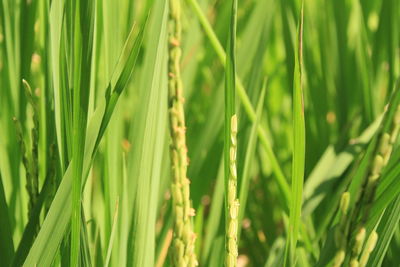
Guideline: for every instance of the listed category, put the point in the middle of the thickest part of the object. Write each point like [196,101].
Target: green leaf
[111,241]
[148,135]
[57,220]
[32,226]
[6,241]
[249,158]
[216,211]
[298,160]
[386,228]
[83,24]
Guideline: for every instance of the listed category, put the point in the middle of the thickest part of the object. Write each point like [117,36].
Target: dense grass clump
[199,133]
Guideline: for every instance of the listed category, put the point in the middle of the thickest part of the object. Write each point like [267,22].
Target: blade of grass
[55,18]
[121,75]
[6,241]
[56,221]
[214,221]
[276,254]
[216,257]
[149,136]
[111,240]
[10,53]
[298,160]
[32,226]
[27,40]
[251,147]
[82,50]
[10,92]
[85,260]
[387,226]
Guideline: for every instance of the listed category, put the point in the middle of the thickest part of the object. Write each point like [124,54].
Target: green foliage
[85,166]
[299,139]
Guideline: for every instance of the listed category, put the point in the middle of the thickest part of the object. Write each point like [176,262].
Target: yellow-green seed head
[233,169]
[182,263]
[359,241]
[395,133]
[386,157]
[384,144]
[231,260]
[233,129]
[344,202]
[187,231]
[232,247]
[186,189]
[339,258]
[176,194]
[234,124]
[372,241]
[354,263]
[231,191]
[179,247]
[377,165]
[193,262]
[234,209]
[369,247]
[396,127]
[179,211]
[232,154]
[233,228]
[373,179]
[396,118]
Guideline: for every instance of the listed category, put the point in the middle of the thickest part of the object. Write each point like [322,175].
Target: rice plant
[199,133]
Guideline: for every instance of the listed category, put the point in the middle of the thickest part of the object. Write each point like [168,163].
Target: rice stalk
[184,236]
[233,201]
[230,147]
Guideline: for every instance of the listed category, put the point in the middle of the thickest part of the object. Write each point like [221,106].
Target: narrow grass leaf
[6,241]
[386,229]
[82,56]
[111,240]
[148,134]
[56,222]
[298,160]
[214,221]
[249,159]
